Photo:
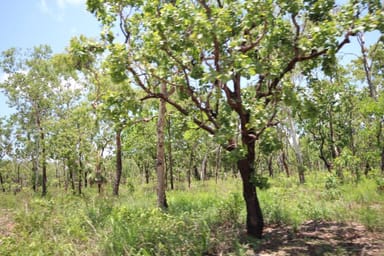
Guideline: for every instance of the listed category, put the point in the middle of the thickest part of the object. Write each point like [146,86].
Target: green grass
[208,218]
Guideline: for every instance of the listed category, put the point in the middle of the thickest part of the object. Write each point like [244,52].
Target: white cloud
[54,13]
[56,9]
[64,3]
[44,7]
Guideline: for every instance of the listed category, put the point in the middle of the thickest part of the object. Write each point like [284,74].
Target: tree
[30,87]
[160,155]
[326,114]
[208,52]
[5,145]
[120,107]
[369,69]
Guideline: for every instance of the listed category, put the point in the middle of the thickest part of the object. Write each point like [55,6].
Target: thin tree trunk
[327,164]
[203,172]
[79,185]
[367,67]
[57,175]
[160,163]
[146,173]
[296,147]
[35,171]
[2,183]
[218,163]
[382,161]
[190,167]
[334,150]
[284,162]
[70,174]
[85,177]
[170,159]
[43,155]
[119,165]
[65,175]
[270,168]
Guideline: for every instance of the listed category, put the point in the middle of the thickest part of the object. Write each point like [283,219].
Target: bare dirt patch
[320,238]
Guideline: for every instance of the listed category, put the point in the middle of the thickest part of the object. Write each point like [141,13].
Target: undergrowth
[204,220]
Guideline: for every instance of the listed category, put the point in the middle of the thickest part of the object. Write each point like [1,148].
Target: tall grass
[206,219]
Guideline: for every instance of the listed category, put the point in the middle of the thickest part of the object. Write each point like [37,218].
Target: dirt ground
[320,238]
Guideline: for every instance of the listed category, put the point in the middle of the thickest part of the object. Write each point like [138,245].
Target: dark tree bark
[70,174]
[322,156]
[35,173]
[85,177]
[255,221]
[270,167]
[43,155]
[382,160]
[284,162]
[2,183]
[196,173]
[146,173]
[80,179]
[119,165]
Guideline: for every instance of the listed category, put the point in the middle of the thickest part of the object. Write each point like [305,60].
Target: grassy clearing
[207,219]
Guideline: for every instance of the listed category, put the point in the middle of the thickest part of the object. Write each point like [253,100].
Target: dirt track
[321,238]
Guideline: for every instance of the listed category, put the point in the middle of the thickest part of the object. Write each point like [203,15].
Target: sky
[28,23]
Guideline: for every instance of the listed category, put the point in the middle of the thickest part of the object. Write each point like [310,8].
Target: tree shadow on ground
[319,238]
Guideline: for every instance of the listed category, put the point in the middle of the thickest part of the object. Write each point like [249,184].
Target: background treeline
[63,129]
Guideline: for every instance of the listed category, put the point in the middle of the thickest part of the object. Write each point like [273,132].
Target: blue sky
[28,23]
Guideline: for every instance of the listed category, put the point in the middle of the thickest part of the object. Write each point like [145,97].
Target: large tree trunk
[255,221]
[160,163]
[119,165]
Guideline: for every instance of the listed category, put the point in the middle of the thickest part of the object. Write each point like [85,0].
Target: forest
[199,127]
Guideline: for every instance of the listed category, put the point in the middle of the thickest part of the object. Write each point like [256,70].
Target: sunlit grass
[206,218]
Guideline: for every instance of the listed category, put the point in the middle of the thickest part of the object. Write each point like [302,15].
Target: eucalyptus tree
[5,145]
[209,51]
[368,69]
[85,55]
[121,108]
[327,115]
[32,78]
